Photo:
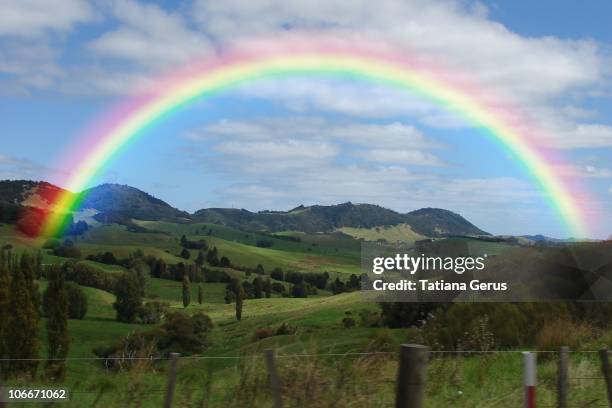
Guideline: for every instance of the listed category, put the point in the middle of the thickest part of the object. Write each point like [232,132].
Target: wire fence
[487,378]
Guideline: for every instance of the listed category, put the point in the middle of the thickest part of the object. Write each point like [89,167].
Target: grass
[453,380]
[397,233]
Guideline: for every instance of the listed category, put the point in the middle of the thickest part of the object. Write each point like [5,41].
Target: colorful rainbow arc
[175,92]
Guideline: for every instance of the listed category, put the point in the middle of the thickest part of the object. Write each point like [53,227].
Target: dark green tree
[22,324]
[185,254]
[239,301]
[200,259]
[259,269]
[267,287]
[200,294]
[186,290]
[213,257]
[77,301]
[56,299]
[225,262]
[5,282]
[129,297]
[258,287]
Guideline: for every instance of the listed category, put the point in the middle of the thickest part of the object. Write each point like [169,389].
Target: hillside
[119,201]
[38,194]
[430,222]
[121,204]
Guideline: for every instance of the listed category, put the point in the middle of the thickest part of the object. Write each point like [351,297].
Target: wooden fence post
[171,379]
[411,376]
[562,377]
[605,368]
[529,378]
[275,384]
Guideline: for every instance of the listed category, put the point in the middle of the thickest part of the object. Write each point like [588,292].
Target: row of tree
[20,313]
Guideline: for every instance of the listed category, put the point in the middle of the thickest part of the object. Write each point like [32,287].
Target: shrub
[180,333]
[348,320]
[67,251]
[563,332]
[285,329]
[263,332]
[369,318]
[77,301]
[153,312]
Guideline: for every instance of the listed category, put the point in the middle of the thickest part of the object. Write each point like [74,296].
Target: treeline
[21,308]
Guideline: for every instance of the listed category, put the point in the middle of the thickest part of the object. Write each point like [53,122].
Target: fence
[413,378]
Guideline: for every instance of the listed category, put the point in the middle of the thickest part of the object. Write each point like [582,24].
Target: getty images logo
[412,264]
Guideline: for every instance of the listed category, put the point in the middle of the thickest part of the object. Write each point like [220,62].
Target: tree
[129,297]
[239,300]
[77,301]
[4,306]
[186,291]
[267,287]
[200,293]
[258,287]
[56,299]
[22,323]
[185,254]
[213,257]
[299,290]
[225,262]
[259,269]
[277,273]
[200,259]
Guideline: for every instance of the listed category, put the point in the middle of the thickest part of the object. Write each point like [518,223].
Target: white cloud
[287,150]
[445,32]
[150,36]
[20,168]
[406,157]
[395,135]
[584,171]
[32,18]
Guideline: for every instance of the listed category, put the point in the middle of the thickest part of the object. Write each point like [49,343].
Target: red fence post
[529,378]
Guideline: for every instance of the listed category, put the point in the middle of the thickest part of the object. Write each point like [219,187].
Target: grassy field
[313,364]
[396,233]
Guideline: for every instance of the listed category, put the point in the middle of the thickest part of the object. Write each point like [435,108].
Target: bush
[67,252]
[263,332]
[180,333]
[153,312]
[369,318]
[348,320]
[86,275]
[285,329]
[563,332]
[77,301]
[278,287]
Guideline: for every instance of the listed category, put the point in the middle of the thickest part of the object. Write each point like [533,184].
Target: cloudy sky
[275,144]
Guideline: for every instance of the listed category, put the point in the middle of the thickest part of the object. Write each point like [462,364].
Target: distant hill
[38,194]
[120,204]
[116,202]
[432,222]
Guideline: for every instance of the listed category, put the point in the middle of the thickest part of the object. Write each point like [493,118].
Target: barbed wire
[298,355]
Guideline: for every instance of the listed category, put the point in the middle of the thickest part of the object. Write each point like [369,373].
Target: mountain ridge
[122,203]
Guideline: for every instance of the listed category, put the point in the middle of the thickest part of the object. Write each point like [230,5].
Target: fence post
[562,377]
[605,368]
[411,376]
[171,379]
[275,384]
[529,378]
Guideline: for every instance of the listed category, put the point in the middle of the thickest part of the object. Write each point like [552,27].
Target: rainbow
[316,57]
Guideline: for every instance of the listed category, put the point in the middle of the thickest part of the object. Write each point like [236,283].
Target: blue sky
[275,144]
